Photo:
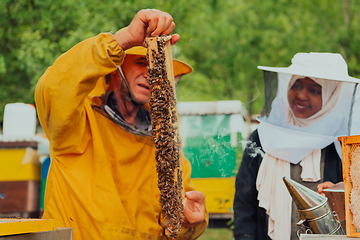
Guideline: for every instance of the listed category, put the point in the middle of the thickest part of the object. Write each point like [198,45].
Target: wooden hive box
[19,179]
[11,226]
[348,145]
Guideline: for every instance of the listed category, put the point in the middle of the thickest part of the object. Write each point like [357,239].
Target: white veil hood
[291,143]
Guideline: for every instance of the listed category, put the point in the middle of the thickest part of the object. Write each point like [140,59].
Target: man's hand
[146,23]
[323,186]
[194,210]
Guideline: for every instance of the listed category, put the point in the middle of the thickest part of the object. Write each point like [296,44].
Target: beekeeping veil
[286,142]
[326,66]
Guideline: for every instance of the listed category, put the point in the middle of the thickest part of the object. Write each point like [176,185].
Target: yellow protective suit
[102,180]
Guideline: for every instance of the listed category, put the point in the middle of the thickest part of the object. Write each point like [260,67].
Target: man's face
[305,98]
[135,70]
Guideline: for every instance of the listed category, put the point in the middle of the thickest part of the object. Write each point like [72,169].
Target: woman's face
[305,98]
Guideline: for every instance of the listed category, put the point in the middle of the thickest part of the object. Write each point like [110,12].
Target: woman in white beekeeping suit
[297,140]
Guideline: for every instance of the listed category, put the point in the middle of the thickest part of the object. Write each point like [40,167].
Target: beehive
[19,179]
[350,146]
[165,134]
[10,226]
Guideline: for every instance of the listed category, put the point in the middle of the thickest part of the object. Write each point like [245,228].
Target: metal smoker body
[314,210]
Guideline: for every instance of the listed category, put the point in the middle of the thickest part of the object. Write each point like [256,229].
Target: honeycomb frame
[349,146]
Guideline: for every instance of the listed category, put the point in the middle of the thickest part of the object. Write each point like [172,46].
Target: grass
[216,234]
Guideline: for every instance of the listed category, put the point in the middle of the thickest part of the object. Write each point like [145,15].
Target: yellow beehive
[19,164]
[219,193]
[11,226]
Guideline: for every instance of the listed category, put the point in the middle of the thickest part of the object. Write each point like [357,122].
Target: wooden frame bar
[165,132]
[346,146]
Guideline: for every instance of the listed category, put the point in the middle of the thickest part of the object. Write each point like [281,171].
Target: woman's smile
[305,97]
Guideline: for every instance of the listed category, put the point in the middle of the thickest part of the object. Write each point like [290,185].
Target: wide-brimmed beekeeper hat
[180,68]
[330,66]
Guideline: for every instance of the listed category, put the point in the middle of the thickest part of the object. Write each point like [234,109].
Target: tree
[237,36]
[224,40]
[33,34]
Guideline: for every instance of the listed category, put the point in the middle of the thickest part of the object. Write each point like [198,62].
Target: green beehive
[209,149]
[211,135]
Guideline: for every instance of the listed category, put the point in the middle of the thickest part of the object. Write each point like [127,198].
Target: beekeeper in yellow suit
[102,180]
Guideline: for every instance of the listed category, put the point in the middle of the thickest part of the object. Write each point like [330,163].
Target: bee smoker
[314,210]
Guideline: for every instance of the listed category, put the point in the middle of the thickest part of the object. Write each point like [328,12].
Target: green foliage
[31,34]
[246,34]
[224,40]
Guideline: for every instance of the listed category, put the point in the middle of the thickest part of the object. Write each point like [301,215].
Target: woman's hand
[194,210]
[146,23]
[323,186]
